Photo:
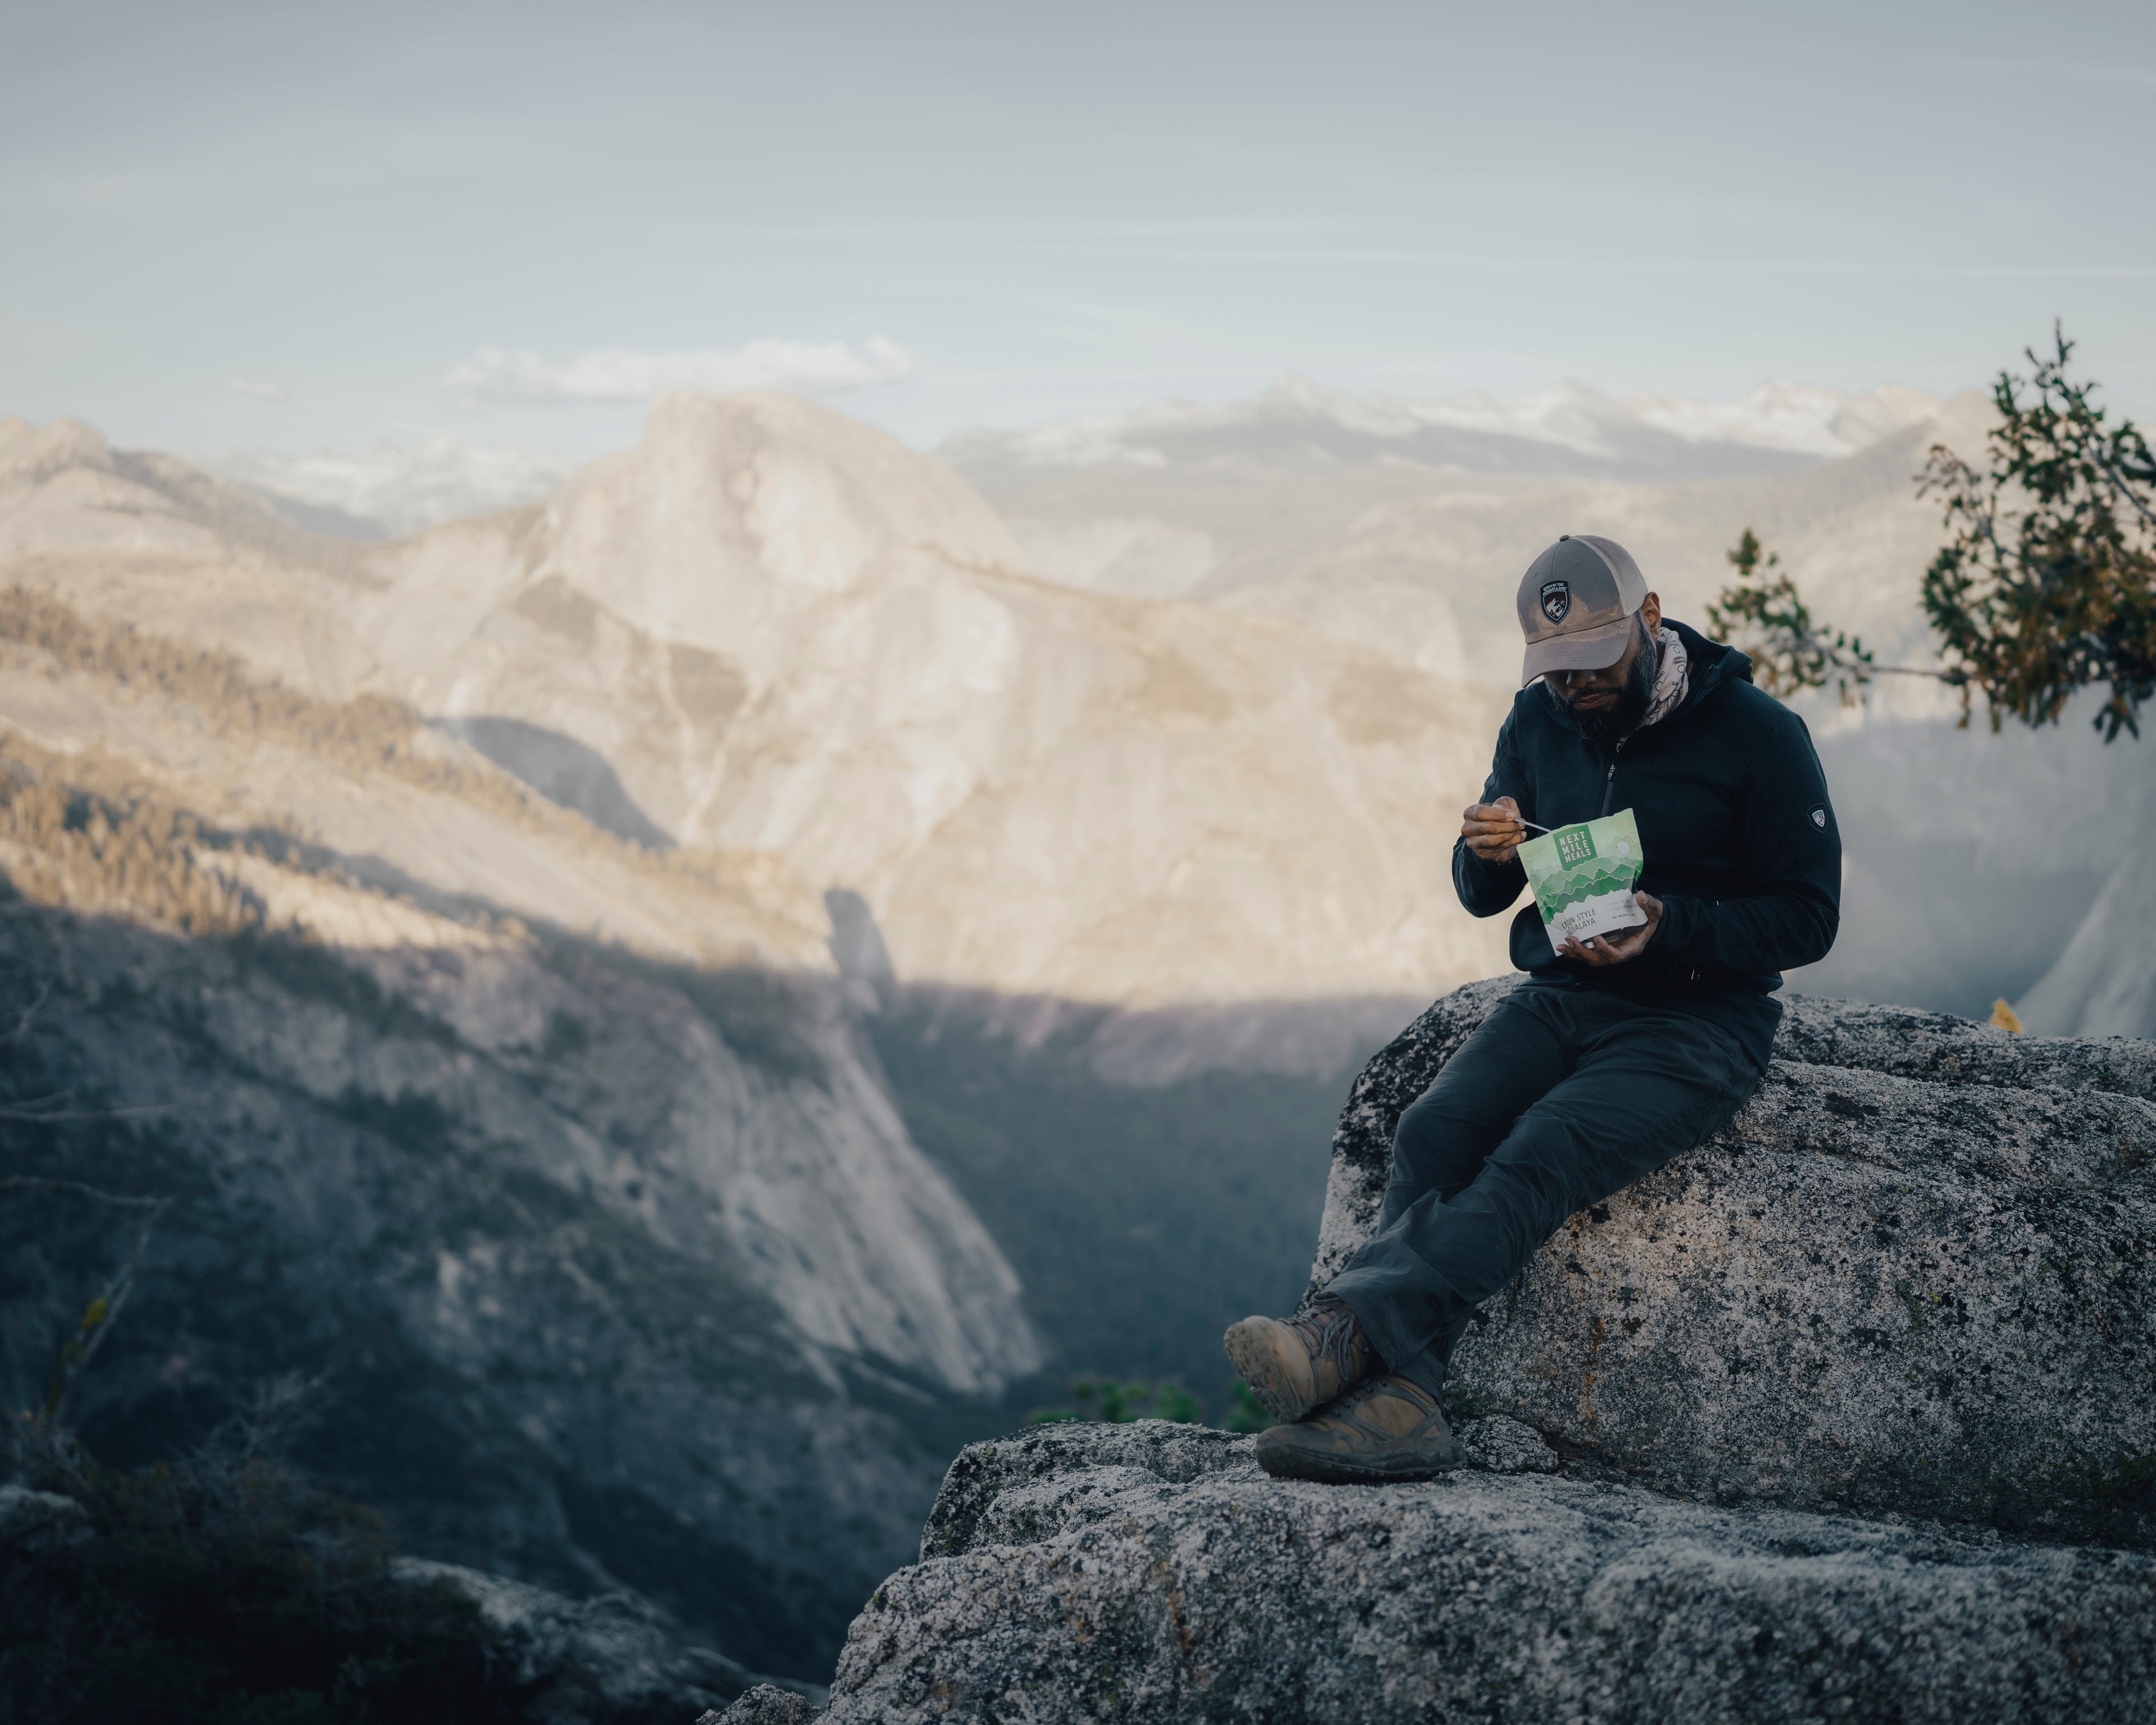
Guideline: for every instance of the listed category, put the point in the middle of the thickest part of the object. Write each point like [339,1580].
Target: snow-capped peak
[1811,419]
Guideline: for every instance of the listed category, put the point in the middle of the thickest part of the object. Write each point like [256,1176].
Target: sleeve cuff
[1680,922]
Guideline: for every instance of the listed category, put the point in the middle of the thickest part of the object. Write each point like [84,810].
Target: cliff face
[790,633]
[769,629]
[1813,1422]
[621,1263]
[2105,980]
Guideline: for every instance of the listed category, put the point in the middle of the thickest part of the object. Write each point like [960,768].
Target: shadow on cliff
[480,1237]
[564,770]
[1153,1176]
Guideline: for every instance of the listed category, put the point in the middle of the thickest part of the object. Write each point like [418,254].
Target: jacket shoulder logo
[1556,599]
[1819,818]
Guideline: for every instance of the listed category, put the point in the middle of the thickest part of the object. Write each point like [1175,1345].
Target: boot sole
[1284,1463]
[1249,1350]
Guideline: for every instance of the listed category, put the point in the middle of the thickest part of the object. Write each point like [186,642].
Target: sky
[293,226]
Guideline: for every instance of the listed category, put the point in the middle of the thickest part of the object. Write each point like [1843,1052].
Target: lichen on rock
[767,1704]
[1916,1272]
[1206,1590]
[1497,1445]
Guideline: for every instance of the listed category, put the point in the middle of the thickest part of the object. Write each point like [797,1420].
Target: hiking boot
[1304,1362]
[1384,1429]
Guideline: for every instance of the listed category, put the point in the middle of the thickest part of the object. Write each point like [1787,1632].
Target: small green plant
[1110,1402]
[1245,1412]
[1172,1402]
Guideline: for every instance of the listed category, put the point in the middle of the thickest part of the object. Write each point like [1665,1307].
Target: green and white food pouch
[1584,877]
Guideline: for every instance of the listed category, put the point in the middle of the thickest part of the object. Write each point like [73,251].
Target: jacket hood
[1714,663]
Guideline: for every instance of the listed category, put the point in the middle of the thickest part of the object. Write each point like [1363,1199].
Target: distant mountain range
[1393,524]
[385,490]
[1571,430]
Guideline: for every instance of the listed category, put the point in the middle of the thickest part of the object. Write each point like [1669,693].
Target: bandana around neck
[1671,681]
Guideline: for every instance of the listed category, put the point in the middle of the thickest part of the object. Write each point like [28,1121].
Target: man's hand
[1601,950]
[1493,831]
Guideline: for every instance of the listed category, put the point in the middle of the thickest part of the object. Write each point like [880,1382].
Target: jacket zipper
[1609,779]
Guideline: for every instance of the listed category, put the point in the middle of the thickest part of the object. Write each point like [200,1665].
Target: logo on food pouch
[1575,848]
[1556,599]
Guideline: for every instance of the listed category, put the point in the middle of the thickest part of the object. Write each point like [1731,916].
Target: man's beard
[1609,725]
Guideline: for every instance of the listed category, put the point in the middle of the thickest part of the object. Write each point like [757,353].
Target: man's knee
[1560,1160]
[1530,1194]
[1444,1137]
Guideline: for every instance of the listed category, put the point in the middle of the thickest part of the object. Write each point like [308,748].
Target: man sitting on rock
[1614,1055]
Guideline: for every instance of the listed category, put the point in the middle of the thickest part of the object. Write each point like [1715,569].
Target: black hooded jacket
[1740,840]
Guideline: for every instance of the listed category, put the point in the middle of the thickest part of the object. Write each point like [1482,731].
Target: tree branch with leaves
[2046,583]
[1790,652]
[2049,582]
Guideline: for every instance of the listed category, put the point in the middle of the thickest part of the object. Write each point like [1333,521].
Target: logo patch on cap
[1819,818]
[1556,599]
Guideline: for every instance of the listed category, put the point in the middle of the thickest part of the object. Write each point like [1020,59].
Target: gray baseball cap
[1577,602]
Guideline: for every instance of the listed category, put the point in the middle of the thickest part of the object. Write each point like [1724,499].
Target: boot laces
[1331,1331]
[1403,1388]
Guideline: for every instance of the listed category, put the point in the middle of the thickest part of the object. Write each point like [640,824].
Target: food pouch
[1584,877]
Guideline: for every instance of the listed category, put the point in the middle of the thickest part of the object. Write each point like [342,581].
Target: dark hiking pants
[1562,1097]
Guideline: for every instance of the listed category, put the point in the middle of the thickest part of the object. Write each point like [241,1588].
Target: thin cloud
[259,391]
[622,374]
